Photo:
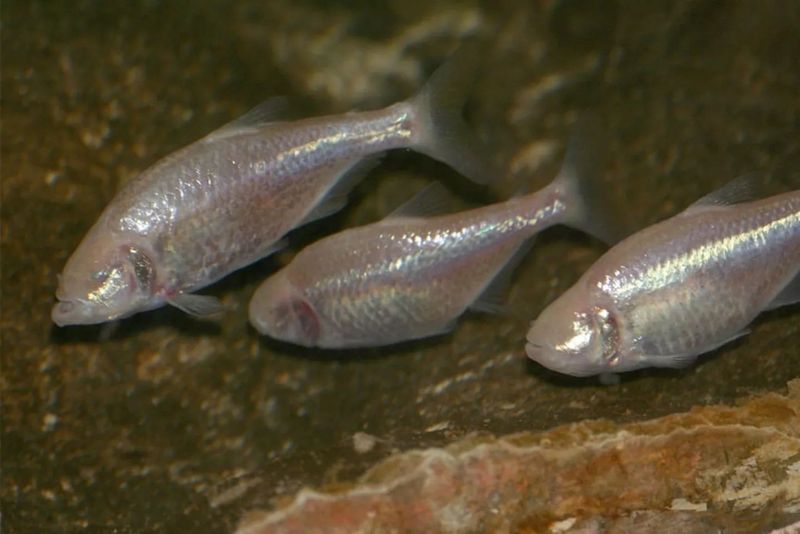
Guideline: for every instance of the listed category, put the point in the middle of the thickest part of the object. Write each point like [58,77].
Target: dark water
[148,426]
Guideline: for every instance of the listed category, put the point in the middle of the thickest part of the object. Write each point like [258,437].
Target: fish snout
[70,312]
[268,314]
[533,350]
[541,354]
[571,355]
[62,312]
[259,321]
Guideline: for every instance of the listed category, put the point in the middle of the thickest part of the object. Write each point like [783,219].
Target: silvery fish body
[224,201]
[407,277]
[675,290]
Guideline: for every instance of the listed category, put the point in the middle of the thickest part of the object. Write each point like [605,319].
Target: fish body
[226,200]
[676,289]
[406,277]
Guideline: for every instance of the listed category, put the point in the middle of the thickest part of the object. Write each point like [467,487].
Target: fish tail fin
[443,133]
[588,203]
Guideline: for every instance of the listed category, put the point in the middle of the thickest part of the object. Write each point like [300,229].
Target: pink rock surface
[714,466]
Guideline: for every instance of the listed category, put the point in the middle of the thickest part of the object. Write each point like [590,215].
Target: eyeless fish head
[279,310]
[574,337]
[100,284]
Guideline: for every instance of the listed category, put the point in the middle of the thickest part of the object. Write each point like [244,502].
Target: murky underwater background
[167,423]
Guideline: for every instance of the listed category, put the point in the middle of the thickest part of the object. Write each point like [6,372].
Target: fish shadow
[349,355]
[133,326]
[535,369]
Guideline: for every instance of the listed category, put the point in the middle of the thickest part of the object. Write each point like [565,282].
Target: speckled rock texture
[164,423]
[589,476]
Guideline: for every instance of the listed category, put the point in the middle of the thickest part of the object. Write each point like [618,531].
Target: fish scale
[414,305]
[226,200]
[717,306]
[675,290]
[411,276]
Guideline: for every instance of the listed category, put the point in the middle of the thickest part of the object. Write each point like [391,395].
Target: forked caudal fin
[589,208]
[444,133]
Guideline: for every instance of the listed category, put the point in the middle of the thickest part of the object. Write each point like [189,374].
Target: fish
[227,200]
[412,274]
[677,289]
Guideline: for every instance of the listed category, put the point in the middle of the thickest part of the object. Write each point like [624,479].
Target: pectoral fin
[670,361]
[197,305]
[679,361]
[445,328]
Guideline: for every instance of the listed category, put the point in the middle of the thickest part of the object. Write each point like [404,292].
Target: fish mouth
[63,312]
[73,312]
[543,353]
[536,349]
[536,352]
[65,307]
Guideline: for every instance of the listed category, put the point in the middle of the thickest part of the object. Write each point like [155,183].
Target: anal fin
[275,247]
[326,208]
[493,298]
[336,197]
[790,294]
[434,199]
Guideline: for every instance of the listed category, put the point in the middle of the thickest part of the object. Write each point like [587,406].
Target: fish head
[575,336]
[103,280]
[279,310]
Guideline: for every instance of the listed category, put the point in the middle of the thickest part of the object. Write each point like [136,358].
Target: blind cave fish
[677,289]
[226,200]
[411,276]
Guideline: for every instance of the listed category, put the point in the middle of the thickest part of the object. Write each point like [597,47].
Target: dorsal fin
[268,111]
[739,189]
[434,199]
